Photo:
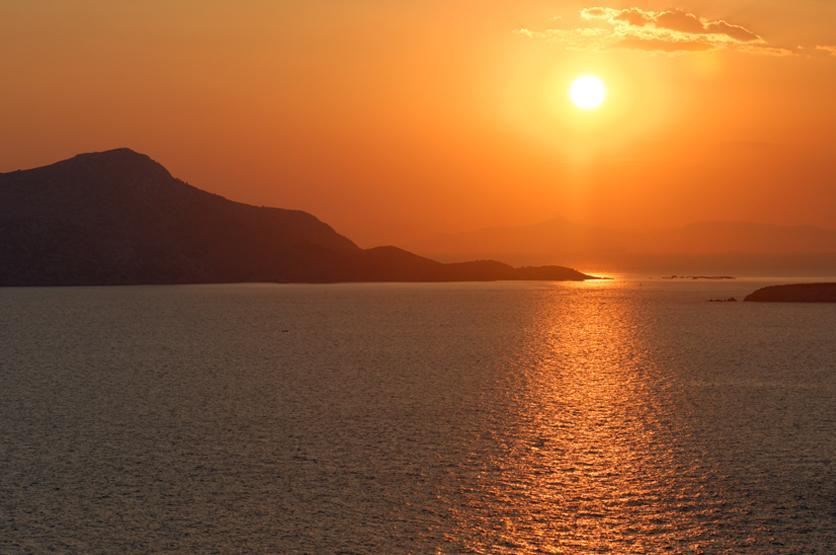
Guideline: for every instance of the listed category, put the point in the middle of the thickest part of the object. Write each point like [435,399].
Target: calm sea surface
[487,418]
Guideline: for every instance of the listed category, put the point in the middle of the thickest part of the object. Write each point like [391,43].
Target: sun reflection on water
[588,462]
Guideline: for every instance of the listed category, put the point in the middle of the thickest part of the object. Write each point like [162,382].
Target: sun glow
[588,92]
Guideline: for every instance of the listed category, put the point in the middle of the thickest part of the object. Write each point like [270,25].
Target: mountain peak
[116,166]
[121,152]
[122,160]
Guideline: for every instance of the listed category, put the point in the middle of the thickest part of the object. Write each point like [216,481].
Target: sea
[623,416]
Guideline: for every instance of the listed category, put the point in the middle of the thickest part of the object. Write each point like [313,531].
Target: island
[795,293]
[120,218]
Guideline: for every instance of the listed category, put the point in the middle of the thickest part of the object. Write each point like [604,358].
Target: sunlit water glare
[411,418]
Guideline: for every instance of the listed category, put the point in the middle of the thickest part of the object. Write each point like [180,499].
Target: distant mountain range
[724,247]
[118,217]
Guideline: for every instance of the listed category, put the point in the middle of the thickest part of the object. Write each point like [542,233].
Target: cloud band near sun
[661,31]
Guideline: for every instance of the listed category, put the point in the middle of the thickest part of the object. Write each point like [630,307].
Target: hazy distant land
[675,277]
[703,248]
[118,217]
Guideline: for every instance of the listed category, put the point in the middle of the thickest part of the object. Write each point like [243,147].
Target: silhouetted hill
[394,264]
[118,217]
[796,293]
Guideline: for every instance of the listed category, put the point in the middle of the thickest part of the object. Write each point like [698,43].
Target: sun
[588,92]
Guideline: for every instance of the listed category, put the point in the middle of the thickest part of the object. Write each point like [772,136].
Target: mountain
[118,217]
[696,248]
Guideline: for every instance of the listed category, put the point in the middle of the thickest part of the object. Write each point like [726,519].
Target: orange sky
[393,119]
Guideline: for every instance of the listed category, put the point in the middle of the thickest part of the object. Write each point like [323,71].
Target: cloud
[683,22]
[634,16]
[661,31]
[830,50]
[662,45]
[735,32]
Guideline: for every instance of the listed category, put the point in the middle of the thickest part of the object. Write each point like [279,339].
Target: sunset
[434,121]
[418,277]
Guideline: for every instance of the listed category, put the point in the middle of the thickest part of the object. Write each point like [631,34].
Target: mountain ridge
[119,217]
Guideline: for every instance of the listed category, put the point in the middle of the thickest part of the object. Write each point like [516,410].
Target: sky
[392,120]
